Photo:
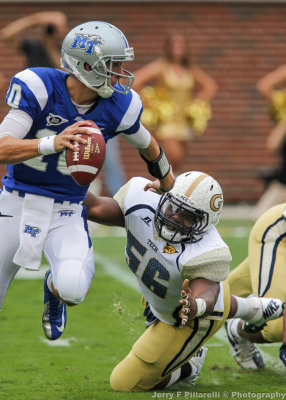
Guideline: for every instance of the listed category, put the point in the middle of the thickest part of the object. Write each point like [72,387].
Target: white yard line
[117,271]
[59,342]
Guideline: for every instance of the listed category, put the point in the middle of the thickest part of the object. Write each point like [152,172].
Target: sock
[234,326]
[246,308]
[186,370]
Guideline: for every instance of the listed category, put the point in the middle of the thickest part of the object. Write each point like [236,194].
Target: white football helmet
[98,44]
[190,209]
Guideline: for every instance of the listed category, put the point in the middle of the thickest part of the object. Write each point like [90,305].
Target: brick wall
[236,43]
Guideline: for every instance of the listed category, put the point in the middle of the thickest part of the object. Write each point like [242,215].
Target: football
[85,164]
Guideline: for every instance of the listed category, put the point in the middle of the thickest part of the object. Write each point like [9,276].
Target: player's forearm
[151,152]
[104,210]
[198,298]
[210,300]
[15,151]
[158,164]
[207,291]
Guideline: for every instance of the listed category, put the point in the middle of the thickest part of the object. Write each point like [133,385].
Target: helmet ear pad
[95,73]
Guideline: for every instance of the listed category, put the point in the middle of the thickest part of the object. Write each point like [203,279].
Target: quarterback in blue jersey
[41,207]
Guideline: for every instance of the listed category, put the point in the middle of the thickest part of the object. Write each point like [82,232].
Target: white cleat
[243,351]
[196,362]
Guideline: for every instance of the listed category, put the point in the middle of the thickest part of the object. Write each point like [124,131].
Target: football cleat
[243,351]
[54,314]
[267,310]
[196,362]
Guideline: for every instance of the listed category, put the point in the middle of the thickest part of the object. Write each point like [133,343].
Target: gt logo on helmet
[216,202]
[83,42]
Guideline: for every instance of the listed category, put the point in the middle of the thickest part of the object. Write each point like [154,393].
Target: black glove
[282,353]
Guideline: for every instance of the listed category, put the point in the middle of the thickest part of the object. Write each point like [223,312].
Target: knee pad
[71,282]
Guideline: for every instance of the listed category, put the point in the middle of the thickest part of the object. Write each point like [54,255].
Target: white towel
[34,225]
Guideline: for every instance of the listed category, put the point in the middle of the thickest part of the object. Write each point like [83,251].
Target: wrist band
[168,189]
[46,145]
[160,167]
[202,306]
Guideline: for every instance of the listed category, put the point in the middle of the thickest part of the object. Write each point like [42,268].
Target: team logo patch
[216,202]
[79,118]
[66,213]
[169,249]
[32,230]
[53,120]
[86,42]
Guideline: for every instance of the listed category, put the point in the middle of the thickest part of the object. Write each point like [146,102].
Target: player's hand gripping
[189,306]
[69,135]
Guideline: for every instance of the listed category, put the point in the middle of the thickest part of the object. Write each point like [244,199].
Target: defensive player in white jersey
[172,243]
[40,204]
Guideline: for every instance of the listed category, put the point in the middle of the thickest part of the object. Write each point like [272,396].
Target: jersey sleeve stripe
[35,84]
[132,113]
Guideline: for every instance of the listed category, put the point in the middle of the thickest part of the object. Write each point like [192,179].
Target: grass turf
[99,334]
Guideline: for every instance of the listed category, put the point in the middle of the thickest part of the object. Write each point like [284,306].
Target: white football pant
[66,247]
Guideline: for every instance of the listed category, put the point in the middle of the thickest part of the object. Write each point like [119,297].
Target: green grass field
[100,332]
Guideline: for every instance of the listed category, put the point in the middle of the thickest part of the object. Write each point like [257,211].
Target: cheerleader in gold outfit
[176,96]
[272,87]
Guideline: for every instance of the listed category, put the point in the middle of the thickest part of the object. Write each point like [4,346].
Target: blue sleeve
[131,110]
[134,128]
[27,92]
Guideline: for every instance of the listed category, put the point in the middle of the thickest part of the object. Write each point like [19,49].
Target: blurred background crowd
[212,77]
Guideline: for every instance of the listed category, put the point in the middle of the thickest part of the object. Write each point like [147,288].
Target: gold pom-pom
[278,105]
[159,108]
[198,112]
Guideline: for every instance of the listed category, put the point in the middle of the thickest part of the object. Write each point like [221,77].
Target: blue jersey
[42,93]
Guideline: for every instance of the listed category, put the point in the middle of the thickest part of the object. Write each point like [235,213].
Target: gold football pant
[263,273]
[161,349]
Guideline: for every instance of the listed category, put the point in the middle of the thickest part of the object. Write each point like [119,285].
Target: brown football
[85,164]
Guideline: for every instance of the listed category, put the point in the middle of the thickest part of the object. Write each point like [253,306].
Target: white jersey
[160,267]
